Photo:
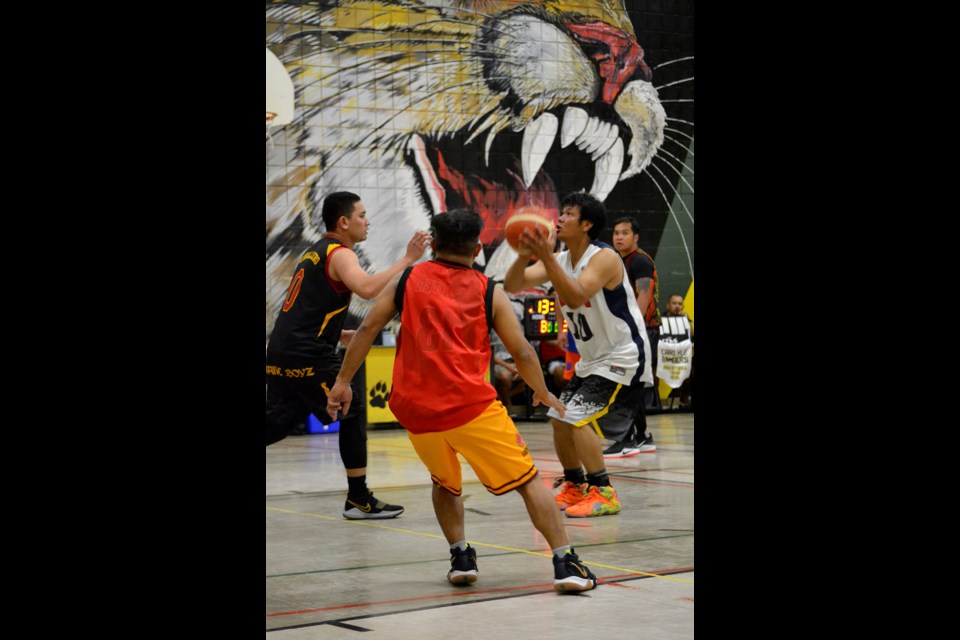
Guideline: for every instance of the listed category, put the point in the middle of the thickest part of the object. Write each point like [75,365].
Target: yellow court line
[479,544]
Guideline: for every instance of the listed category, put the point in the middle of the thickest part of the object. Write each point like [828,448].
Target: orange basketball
[527,218]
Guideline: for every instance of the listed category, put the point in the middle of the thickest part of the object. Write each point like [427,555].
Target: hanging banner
[675,360]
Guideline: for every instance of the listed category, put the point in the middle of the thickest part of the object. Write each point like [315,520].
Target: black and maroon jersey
[315,308]
[640,265]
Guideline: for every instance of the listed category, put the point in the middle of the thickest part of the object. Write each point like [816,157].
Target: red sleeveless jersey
[443,349]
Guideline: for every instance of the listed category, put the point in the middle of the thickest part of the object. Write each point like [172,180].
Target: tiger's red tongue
[494,201]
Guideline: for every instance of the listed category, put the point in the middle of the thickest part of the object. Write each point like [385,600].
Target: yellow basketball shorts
[490,443]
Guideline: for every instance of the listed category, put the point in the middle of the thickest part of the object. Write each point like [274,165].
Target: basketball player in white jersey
[606,323]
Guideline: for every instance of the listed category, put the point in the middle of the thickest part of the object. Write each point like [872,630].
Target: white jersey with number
[608,329]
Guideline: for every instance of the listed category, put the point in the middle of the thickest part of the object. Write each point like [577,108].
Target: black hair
[457,231]
[336,204]
[591,210]
[633,223]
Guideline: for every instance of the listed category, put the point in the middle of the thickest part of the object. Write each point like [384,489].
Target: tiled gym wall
[369,74]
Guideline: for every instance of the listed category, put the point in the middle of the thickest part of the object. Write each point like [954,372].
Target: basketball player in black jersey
[643,278]
[302,358]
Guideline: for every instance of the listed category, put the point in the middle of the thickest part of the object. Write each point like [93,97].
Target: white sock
[562,551]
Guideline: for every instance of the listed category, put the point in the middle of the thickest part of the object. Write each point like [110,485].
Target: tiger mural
[420,106]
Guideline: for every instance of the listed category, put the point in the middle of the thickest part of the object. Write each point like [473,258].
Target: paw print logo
[379,395]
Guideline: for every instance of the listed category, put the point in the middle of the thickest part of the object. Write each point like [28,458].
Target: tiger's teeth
[431,183]
[538,137]
[607,171]
[486,147]
[574,122]
[610,136]
[590,139]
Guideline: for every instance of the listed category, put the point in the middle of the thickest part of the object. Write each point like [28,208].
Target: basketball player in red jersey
[440,397]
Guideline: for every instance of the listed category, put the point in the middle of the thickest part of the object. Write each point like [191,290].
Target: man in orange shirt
[440,397]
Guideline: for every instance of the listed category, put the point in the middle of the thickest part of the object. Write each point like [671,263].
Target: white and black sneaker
[463,566]
[621,450]
[647,446]
[368,508]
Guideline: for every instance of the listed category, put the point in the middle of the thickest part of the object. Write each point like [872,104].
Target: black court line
[342,492]
[663,481]
[584,594]
[604,544]
[349,627]
[628,472]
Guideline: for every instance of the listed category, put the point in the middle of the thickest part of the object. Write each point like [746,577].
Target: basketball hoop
[279,94]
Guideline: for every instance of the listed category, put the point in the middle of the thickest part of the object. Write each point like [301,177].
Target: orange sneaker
[570,494]
[599,501]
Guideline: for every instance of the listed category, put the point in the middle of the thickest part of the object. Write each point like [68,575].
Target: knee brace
[353,443]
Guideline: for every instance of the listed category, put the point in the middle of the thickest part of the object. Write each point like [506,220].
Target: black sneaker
[622,450]
[463,566]
[647,445]
[570,575]
[369,507]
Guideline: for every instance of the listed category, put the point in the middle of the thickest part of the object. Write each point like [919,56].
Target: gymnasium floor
[327,577]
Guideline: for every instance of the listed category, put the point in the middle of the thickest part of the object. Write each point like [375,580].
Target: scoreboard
[539,318]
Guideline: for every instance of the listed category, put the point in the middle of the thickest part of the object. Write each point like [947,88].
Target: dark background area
[170,380]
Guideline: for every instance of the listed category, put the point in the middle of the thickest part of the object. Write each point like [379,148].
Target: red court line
[627,586]
[472,592]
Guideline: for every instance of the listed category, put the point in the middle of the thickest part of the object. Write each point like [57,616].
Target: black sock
[598,479]
[574,475]
[357,487]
